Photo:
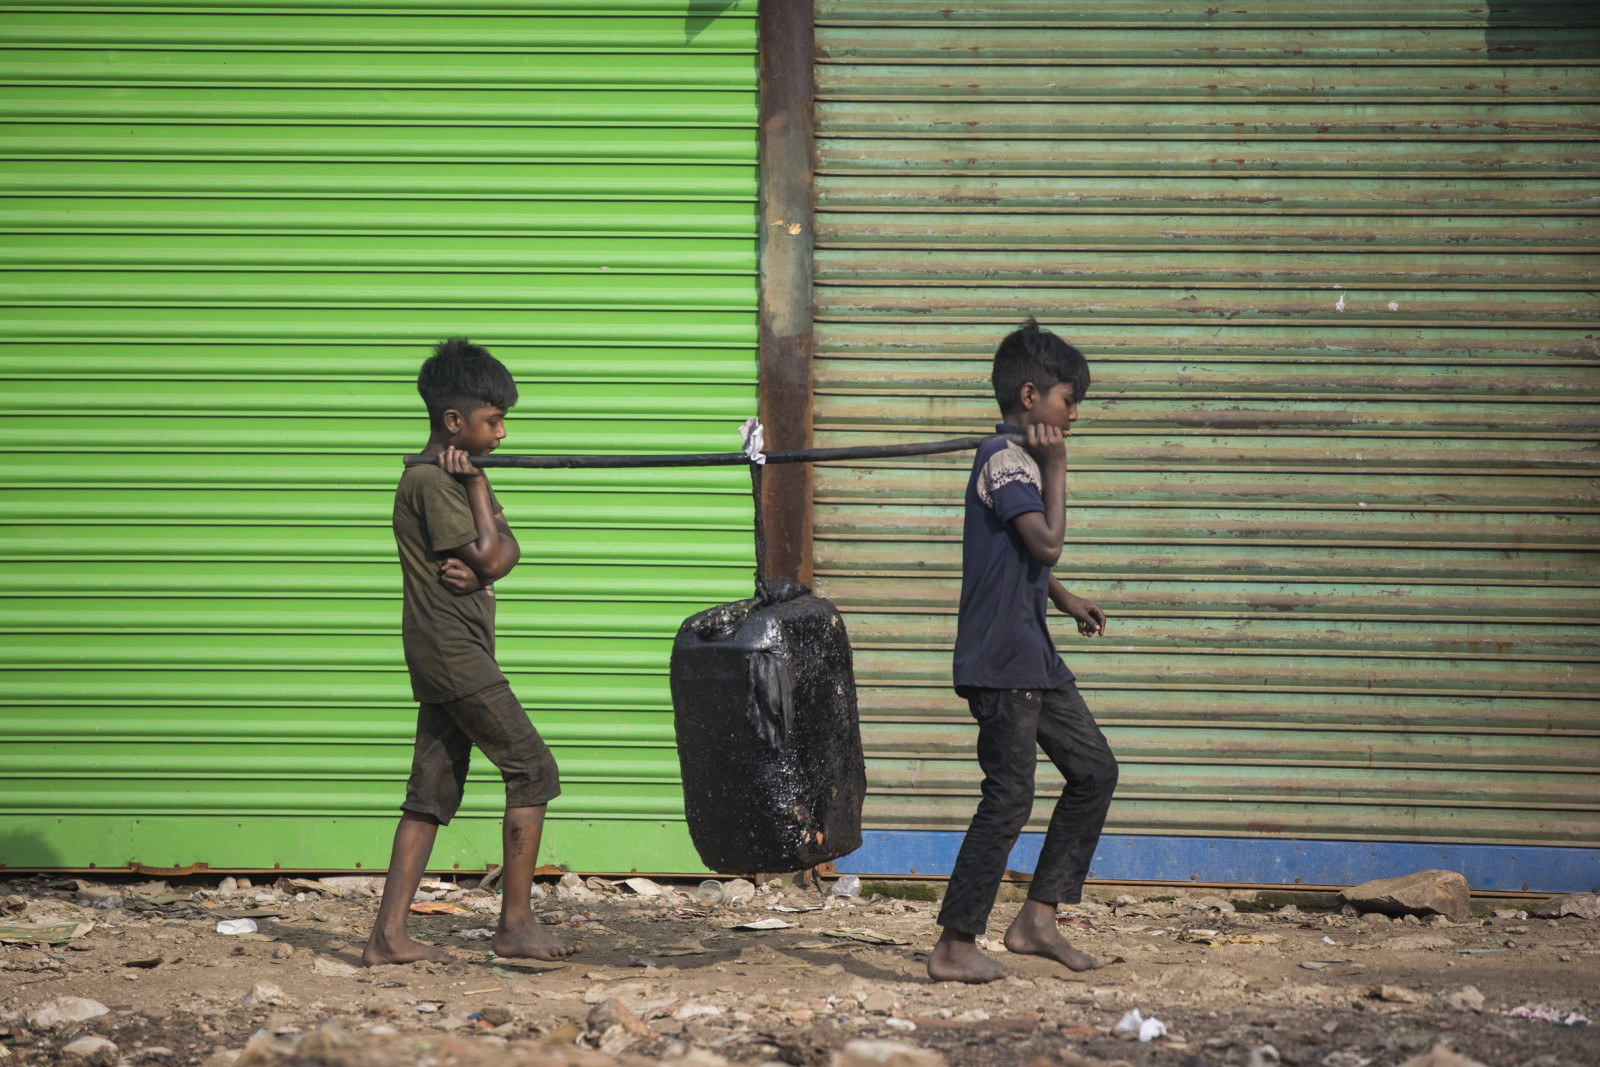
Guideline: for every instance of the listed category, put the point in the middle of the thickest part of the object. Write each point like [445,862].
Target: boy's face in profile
[477,434]
[1055,406]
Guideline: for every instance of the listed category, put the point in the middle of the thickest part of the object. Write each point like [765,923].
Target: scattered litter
[429,1008]
[437,907]
[871,937]
[1077,922]
[1233,939]
[903,1025]
[478,933]
[790,909]
[1329,941]
[315,886]
[762,924]
[847,887]
[1317,965]
[1550,1015]
[43,933]
[476,992]
[709,893]
[1134,1024]
[640,961]
[643,886]
[236,926]
[1476,951]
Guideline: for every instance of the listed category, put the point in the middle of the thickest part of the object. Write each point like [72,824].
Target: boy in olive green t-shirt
[454,544]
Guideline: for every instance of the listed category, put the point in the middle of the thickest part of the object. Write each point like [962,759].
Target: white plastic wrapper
[236,926]
[754,440]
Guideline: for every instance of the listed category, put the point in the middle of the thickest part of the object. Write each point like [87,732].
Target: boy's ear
[452,421]
[1029,396]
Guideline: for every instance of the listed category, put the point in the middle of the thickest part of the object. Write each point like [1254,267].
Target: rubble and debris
[880,1053]
[1441,1056]
[1578,905]
[43,933]
[1467,998]
[782,995]
[848,887]
[1549,1015]
[1421,893]
[64,1011]
[1135,1025]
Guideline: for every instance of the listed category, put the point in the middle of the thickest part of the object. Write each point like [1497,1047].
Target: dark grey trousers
[1010,723]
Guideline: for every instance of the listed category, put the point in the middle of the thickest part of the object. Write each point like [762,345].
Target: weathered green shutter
[1334,269]
[229,237]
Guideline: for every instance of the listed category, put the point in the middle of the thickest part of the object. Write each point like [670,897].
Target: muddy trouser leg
[1070,737]
[1007,727]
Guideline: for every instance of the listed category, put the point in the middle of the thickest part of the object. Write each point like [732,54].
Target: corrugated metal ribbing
[1334,267]
[228,237]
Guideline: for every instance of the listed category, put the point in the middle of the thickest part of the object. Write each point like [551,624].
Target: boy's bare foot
[1034,933]
[533,942]
[381,950]
[959,959]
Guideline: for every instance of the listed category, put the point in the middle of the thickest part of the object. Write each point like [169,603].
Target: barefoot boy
[1006,666]
[454,545]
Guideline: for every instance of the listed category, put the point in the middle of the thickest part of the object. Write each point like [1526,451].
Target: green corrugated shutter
[1334,267]
[229,237]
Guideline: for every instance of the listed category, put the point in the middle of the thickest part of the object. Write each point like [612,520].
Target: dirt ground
[1240,977]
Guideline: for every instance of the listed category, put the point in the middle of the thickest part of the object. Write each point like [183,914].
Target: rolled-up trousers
[1011,722]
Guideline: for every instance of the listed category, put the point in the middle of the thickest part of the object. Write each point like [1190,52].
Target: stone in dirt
[1418,893]
[870,1053]
[1396,994]
[608,1013]
[263,993]
[1439,1056]
[332,968]
[1467,998]
[1582,905]
[92,1048]
[63,1010]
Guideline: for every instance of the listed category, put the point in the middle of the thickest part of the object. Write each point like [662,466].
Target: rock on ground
[1419,893]
[863,1053]
[53,1013]
[1582,905]
[92,1048]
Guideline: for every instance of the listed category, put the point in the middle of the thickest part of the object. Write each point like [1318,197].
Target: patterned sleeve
[1009,483]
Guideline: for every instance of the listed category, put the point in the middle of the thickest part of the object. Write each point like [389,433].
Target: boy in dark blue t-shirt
[1007,668]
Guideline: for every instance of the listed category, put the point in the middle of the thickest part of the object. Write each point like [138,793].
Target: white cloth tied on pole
[753,443]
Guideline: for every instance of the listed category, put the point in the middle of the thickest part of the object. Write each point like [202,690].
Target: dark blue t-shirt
[1001,638]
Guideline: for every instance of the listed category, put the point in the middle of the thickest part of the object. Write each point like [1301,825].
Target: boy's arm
[1090,619]
[491,555]
[1042,531]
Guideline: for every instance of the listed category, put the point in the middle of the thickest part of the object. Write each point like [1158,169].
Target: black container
[769,741]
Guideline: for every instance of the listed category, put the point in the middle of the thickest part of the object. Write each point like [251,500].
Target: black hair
[1029,354]
[463,376]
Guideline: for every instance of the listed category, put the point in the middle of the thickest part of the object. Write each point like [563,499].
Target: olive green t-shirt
[448,639]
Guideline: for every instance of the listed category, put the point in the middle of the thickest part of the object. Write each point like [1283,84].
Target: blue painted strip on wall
[1261,861]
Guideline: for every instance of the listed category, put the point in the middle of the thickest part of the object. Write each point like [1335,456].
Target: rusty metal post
[787,162]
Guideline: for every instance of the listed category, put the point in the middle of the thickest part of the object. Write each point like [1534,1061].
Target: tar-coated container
[769,741]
